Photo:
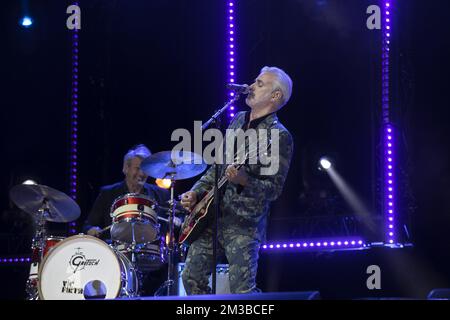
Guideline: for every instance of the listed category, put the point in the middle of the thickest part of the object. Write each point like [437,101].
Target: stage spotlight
[26,22]
[29,182]
[163,183]
[324,163]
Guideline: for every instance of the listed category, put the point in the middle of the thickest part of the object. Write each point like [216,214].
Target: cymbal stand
[37,249]
[133,244]
[168,284]
[133,260]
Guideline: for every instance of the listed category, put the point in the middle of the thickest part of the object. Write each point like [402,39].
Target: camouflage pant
[242,255]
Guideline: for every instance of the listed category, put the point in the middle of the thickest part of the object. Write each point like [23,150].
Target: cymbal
[31,198]
[176,165]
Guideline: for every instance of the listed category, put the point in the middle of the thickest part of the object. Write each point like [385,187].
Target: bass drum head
[75,265]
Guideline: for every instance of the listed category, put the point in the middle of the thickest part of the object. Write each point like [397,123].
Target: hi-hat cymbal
[173,165]
[31,198]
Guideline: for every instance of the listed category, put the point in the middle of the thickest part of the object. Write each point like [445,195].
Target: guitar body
[196,222]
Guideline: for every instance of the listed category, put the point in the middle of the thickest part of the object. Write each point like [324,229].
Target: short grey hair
[140,151]
[282,82]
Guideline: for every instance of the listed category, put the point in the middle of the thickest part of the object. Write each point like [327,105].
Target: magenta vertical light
[231,52]
[73,153]
[388,134]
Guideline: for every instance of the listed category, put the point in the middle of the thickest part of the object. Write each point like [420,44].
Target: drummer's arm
[96,218]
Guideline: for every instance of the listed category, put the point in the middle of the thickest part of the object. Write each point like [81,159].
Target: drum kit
[85,267]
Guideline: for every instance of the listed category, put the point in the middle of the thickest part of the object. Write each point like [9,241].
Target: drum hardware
[50,242]
[54,205]
[134,219]
[44,204]
[47,204]
[176,221]
[179,209]
[133,245]
[148,256]
[178,165]
[169,283]
[174,166]
[132,249]
[37,249]
[69,271]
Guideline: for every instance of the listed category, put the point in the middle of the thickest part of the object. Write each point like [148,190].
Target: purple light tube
[316,244]
[388,133]
[73,153]
[231,50]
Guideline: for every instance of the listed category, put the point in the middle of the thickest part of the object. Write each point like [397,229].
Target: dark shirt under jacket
[249,125]
[100,214]
[255,122]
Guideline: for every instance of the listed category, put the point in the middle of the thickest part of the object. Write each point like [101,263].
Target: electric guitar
[198,219]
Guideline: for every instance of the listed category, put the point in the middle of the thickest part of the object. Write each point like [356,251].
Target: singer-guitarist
[245,194]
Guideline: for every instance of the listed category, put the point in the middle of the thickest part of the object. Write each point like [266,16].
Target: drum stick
[105,229]
[176,221]
[163,219]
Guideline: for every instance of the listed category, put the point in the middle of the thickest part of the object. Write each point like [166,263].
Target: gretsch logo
[79,261]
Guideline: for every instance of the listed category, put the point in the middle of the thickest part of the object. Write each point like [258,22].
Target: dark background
[147,68]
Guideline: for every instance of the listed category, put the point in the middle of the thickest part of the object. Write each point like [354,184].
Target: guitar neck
[224,180]
[221,182]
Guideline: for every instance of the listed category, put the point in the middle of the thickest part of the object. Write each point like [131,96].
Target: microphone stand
[218,113]
[214,119]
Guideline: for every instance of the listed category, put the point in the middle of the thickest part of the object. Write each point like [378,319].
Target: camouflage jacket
[245,210]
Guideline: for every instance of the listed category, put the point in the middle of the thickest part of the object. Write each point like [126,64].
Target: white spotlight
[29,182]
[26,22]
[324,163]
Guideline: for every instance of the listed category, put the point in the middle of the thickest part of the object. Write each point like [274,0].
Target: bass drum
[84,267]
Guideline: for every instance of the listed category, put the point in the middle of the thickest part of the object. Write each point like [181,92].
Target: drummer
[135,182]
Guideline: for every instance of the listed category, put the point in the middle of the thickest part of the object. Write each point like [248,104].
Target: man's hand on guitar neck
[236,176]
[188,200]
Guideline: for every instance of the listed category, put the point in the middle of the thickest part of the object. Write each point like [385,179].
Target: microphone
[239,88]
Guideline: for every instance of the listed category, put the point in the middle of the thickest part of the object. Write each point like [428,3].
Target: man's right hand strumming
[188,200]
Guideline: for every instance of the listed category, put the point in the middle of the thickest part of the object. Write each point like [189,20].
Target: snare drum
[148,256]
[82,267]
[134,218]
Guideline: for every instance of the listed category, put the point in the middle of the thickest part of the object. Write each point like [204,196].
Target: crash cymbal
[168,164]
[31,198]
